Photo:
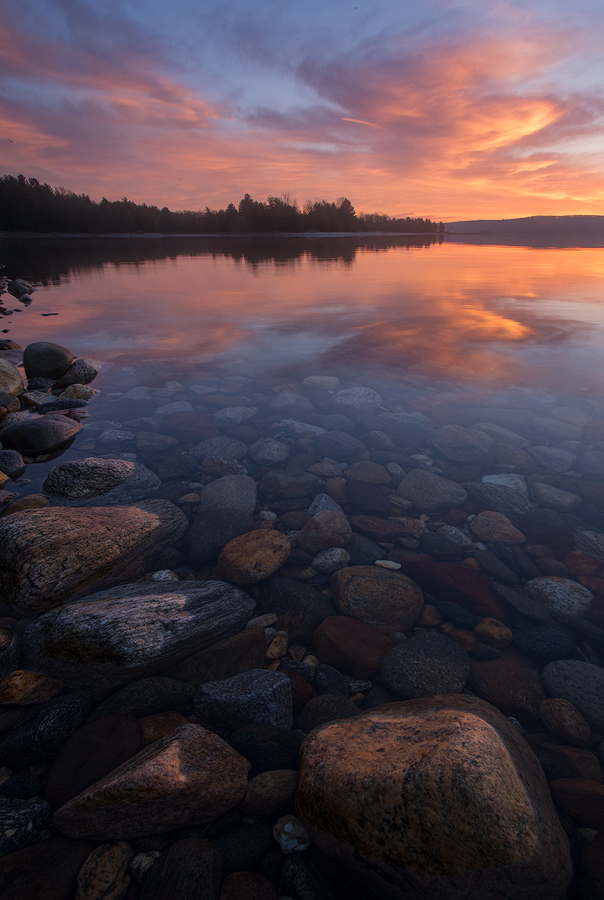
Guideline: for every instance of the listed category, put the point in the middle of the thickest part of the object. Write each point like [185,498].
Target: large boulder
[124,633]
[10,379]
[438,798]
[51,555]
[99,482]
[43,359]
[386,600]
[38,435]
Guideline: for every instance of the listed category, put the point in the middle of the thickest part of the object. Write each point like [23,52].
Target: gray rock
[590,463]
[82,371]
[237,492]
[554,498]
[134,630]
[558,430]
[358,398]
[224,512]
[221,445]
[20,822]
[522,604]
[323,502]
[427,664]
[40,734]
[340,445]
[11,462]
[114,438]
[38,435]
[290,401]
[330,560]
[10,379]
[100,482]
[582,684]
[44,359]
[169,409]
[287,484]
[592,543]
[146,697]
[553,458]
[259,696]
[502,435]
[560,595]
[499,498]
[463,445]
[430,493]
[510,480]
[268,451]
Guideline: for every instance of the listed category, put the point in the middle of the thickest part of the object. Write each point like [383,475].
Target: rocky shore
[307,639]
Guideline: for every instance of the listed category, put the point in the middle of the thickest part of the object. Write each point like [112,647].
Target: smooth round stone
[268,451]
[582,684]
[20,822]
[351,646]
[234,415]
[267,747]
[44,359]
[256,697]
[367,471]
[221,445]
[82,371]
[117,437]
[252,557]
[499,498]
[100,482]
[189,868]
[23,688]
[170,409]
[40,734]
[553,458]
[39,434]
[560,595]
[424,665]
[290,401]
[325,530]
[493,633]
[494,527]
[557,429]
[104,875]
[388,601]
[358,398]
[463,445]
[554,498]
[544,642]
[284,484]
[330,560]
[430,493]
[508,479]
[592,543]
[78,392]
[10,379]
[336,422]
[11,462]
[270,794]
[340,445]
[564,720]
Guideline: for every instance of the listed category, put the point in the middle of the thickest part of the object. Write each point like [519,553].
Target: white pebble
[387,564]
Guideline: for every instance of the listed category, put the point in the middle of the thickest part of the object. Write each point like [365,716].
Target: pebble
[290,834]
[564,720]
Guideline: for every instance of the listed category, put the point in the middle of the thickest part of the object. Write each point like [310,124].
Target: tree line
[26,205]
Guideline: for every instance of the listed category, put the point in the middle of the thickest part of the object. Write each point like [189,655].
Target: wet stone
[499,498]
[424,665]
[189,868]
[544,642]
[146,696]
[20,822]
[43,359]
[255,697]
[430,493]
[104,874]
[582,684]
[388,601]
[553,458]
[565,721]
[267,747]
[41,733]
[46,870]
[560,595]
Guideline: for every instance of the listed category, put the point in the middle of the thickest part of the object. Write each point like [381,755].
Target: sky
[450,109]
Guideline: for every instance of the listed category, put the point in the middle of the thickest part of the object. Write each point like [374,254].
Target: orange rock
[565,720]
[159,725]
[572,762]
[494,633]
[389,601]
[494,526]
[253,556]
[466,639]
[270,794]
[336,489]
[351,646]
[23,688]
[429,617]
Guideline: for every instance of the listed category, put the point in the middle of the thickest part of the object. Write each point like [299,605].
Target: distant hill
[529,225]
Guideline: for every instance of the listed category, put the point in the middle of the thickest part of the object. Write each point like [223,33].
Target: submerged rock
[100,482]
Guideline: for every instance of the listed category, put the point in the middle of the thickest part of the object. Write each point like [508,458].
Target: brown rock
[565,720]
[336,489]
[466,639]
[578,563]
[253,556]
[351,646]
[189,777]
[429,617]
[240,653]
[388,794]
[328,528]
[159,725]
[453,581]
[379,529]
[385,600]
[51,555]
[25,688]
[571,762]
[44,871]
[581,799]
[247,886]
[190,868]
[270,794]
[91,752]
[494,633]
[372,472]
[302,691]
[495,527]
[32,501]
[511,683]
[104,875]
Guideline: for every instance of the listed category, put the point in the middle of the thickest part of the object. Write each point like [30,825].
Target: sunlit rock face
[434,799]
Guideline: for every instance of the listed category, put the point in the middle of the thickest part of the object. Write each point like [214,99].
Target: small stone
[565,721]
[325,530]
[270,794]
[253,556]
[430,493]
[496,528]
[278,646]
[553,458]
[256,697]
[290,834]
[104,874]
[327,561]
[582,684]
[25,688]
[494,633]
[388,601]
[351,646]
[268,451]
[358,398]
[387,564]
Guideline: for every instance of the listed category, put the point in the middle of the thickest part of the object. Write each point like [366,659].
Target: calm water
[471,315]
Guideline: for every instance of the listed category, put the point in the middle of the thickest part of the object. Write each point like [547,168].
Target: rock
[426,664]
[328,561]
[323,503]
[146,696]
[190,868]
[582,684]
[10,651]
[82,371]
[253,556]
[40,434]
[290,834]
[565,721]
[493,527]
[325,708]
[25,688]
[370,472]
[267,747]
[387,530]
[20,822]
[592,543]
[511,683]
[553,498]
[11,462]
[430,493]
[239,653]
[499,498]
[544,642]
[44,359]
[104,875]
[449,581]
[10,379]
[553,458]
[39,734]
[290,402]
[245,847]
[78,392]
[365,786]
[223,513]
[463,445]
[340,445]
[325,530]
[287,484]
[351,646]
[560,595]
[143,797]
[300,607]
[546,526]
[388,601]
[221,445]
[358,398]
[270,794]
[134,630]
[328,382]
[581,798]
[146,441]
[90,753]
[100,482]
[247,886]
[46,870]
[268,451]
[494,633]
[256,697]
[51,555]
[159,725]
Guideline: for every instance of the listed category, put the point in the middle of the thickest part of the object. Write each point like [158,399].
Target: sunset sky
[451,109]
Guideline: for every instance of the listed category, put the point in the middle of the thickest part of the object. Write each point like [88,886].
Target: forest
[26,205]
